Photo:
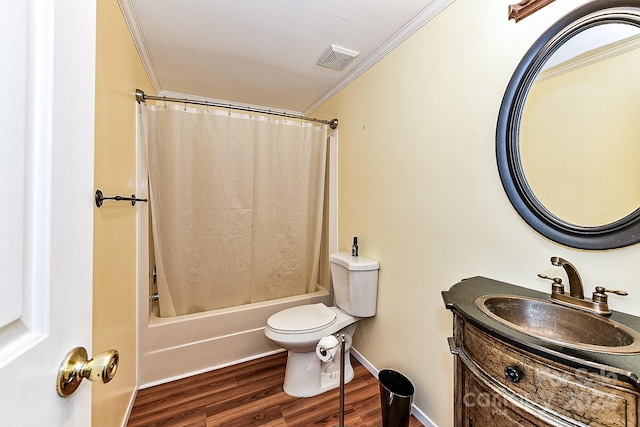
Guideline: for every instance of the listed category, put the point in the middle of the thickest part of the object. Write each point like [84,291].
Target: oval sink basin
[561,325]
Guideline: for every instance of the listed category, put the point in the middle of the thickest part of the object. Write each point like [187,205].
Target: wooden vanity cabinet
[500,385]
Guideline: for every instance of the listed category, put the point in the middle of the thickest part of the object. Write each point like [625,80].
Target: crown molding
[138,40]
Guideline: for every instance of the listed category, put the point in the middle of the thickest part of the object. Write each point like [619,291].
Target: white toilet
[299,329]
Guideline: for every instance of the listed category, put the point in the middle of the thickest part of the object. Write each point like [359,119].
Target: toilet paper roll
[327,348]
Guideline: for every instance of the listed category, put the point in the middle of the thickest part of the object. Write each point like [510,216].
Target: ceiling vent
[337,57]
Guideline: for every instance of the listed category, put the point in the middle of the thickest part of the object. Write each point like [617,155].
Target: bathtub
[175,347]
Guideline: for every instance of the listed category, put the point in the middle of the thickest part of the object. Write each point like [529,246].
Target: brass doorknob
[75,367]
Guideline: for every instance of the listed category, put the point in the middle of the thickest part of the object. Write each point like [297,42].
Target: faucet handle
[600,297]
[602,290]
[557,287]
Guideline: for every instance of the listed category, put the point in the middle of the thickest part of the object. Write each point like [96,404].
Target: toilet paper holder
[326,350]
[343,340]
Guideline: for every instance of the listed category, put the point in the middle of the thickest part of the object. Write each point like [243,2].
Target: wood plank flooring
[250,394]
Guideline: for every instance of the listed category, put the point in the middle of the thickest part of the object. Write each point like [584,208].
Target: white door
[47,85]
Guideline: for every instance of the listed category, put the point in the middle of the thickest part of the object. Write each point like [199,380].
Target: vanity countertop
[461,297]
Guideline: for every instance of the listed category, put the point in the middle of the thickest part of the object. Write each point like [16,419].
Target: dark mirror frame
[623,232]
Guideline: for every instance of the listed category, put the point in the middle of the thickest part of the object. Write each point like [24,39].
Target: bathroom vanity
[509,376]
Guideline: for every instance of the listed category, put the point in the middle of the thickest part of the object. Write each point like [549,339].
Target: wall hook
[100,198]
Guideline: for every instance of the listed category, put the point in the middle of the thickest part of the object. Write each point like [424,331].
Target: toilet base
[306,375]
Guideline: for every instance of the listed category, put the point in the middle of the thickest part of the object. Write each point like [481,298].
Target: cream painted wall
[419,186]
[119,72]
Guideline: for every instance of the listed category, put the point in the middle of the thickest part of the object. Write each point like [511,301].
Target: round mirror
[568,134]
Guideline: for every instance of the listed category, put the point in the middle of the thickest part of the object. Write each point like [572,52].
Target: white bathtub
[175,347]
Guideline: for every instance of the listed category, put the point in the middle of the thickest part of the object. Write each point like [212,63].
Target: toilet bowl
[306,375]
[299,329]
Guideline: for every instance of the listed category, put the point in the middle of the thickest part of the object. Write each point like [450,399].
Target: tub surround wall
[419,129]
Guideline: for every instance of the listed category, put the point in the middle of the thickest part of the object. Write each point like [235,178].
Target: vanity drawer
[484,407]
[588,398]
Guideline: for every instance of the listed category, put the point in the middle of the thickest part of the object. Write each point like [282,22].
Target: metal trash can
[396,397]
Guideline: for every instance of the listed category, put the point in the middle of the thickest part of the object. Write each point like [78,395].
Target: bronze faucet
[575,282]
[597,304]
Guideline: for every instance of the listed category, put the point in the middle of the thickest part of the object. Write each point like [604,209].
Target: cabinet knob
[513,373]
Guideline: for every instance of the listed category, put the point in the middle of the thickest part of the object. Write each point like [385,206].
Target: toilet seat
[302,319]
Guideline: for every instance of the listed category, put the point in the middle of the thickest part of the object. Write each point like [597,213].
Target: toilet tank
[355,283]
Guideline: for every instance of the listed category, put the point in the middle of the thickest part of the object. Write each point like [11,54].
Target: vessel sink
[566,326]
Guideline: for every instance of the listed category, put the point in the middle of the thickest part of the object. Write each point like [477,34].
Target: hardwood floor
[250,394]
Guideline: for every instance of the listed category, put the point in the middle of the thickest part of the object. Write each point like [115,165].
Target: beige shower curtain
[236,206]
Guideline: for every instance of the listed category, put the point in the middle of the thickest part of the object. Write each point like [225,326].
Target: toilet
[299,329]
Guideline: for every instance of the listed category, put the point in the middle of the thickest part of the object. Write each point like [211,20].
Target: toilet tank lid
[354,263]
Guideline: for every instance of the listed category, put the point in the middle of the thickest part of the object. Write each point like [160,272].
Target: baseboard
[125,421]
[422,417]
[415,411]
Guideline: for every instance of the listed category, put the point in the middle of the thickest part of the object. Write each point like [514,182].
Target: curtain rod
[142,97]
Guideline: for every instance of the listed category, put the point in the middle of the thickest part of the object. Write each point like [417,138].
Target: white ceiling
[264,52]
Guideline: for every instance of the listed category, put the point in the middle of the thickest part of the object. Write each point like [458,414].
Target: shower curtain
[236,206]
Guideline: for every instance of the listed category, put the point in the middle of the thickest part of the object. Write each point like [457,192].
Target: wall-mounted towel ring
[101,198]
